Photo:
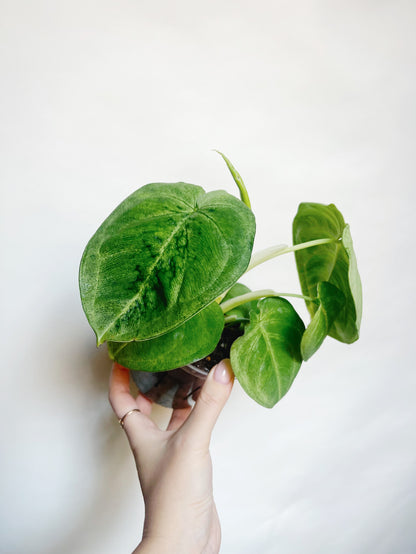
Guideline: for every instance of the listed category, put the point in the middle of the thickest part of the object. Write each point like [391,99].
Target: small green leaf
[191,341]
[267,358]
[237,179]
[334,262]
[165,253]
[331,302]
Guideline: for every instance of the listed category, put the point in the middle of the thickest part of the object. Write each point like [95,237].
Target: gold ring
[121,420]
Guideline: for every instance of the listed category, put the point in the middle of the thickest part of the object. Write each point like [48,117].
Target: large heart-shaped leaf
[331,301]
[267,358]
[191,341]
[165,253]
[334,262]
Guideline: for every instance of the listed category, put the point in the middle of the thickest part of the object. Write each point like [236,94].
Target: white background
[312,101]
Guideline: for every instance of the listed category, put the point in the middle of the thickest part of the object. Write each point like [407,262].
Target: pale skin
[174,465]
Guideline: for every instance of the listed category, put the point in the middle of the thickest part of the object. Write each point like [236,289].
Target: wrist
[150,545]
[156,545]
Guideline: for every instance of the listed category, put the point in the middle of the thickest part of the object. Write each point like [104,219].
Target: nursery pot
[180,387]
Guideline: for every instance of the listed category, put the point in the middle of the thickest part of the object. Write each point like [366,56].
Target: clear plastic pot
[179,388]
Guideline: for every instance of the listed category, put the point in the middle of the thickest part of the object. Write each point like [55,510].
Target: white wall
[313,101]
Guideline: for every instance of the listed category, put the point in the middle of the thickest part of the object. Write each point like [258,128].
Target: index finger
[120,396]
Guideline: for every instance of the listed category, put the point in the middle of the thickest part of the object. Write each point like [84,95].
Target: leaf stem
[232,318]
[280,249]
[238,180]
[256,295]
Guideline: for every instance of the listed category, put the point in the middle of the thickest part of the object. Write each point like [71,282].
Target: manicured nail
[223,373]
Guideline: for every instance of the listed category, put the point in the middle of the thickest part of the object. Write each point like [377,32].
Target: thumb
[211,400]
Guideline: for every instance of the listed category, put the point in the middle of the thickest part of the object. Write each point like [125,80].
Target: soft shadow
[107,448]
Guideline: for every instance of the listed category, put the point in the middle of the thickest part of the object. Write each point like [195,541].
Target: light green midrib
[311,288]
[139,292]
[166,244]
[196,208]
[270,349]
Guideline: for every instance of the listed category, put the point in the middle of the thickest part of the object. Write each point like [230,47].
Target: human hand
[174,466]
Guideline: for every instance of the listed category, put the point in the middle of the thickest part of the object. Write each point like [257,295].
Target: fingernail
[223,373]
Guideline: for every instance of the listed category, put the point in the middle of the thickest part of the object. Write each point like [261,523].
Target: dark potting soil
[222,350]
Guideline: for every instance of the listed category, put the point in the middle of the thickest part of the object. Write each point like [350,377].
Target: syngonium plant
[159,283]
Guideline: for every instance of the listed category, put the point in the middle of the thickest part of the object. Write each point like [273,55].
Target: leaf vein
[149,273]
[270,349]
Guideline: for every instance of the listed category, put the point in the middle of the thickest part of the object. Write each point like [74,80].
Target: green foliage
[267,358]
[331,301]
[334,263]
[242,312]
[163,255]
[157,276]
[237,179]
[175,348]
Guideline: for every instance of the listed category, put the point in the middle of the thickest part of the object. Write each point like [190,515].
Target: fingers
[196,424]
[122,401]
[177,418]
[119,394]
[211,400]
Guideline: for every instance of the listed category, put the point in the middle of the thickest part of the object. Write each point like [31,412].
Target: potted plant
[159,283]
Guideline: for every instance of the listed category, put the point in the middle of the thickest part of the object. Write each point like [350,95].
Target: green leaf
[166,252]
[243,311]
[334,262]
[267,358]
[237,179]
[353,275]
[191,341]
[331,302]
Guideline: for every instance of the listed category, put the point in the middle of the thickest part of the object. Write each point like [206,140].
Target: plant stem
[280,249]
[234,319]
[238,180]
[256,295]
